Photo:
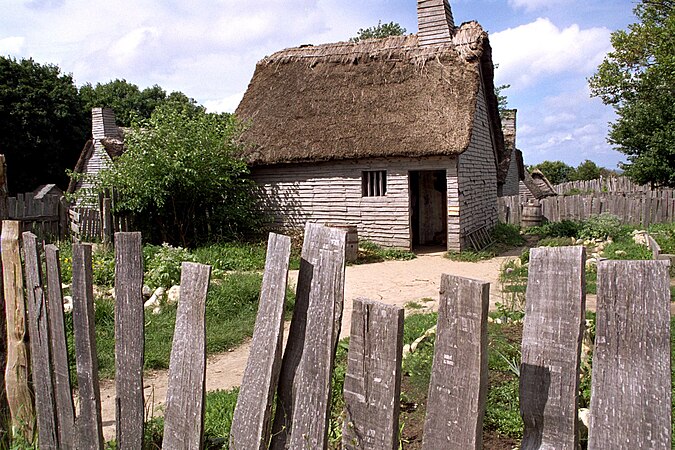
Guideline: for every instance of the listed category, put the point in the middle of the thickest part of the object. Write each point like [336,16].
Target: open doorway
[428,209]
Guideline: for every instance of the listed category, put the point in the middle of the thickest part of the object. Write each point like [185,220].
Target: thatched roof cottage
[399,136]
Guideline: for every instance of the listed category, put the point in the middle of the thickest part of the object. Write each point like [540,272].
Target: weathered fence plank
[631,385]
[251,422]
[129,339]
[89,425]
[17,369]
[41,360]
[552,333]
[184,413]
[317,237]
[311,403]
[458,386]
[372,386]
[65,412]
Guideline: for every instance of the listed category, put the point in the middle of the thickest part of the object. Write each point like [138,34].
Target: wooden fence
[46,216]
[611,185]
[634,209]
[631,385]
[89,224]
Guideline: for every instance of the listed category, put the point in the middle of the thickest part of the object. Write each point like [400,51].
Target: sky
[207,49]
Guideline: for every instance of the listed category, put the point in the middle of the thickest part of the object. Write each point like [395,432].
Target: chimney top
[435,22]
[103,124]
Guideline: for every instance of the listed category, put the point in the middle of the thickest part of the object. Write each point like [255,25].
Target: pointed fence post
[129,340]
[16,375]
[184,412]
[458,385]
[251,422]
[89,422]
[372,388]
[40,352]
[317,237]
[65,411]
[552,333]
[631,384]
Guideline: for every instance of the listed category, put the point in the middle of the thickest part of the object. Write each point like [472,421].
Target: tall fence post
[631,381]
[311,404]
[89,424]
[317,237]
[16,375]
[184,412]
[65,412]
[372,387]
[129,340]
[40,352]
[458,385]
[552,333]
[251,422]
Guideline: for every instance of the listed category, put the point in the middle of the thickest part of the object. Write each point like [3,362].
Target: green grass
[370,252]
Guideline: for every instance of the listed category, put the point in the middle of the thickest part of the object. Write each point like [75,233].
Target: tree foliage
[381,30]
[42,128]
[128,101]
[638,80]
[181,177]
[555,171]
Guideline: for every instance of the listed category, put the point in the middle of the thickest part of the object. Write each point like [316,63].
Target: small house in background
[399,137]
[535,185]
[106,144]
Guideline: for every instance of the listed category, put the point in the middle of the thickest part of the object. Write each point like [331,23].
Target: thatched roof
[113,147]
[376,98]
[538,184]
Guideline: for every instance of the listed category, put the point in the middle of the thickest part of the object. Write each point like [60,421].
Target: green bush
[163,265]
[601,227]
[507,234]
[555,242]
[564,228]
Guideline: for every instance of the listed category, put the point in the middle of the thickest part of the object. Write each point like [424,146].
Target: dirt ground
[392,282]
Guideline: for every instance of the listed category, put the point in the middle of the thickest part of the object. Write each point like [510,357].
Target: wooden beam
[458,385]
[631,381]
[129,340]
[251,422]
[552,333]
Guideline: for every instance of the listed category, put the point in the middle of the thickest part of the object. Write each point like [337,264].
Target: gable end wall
[478,176]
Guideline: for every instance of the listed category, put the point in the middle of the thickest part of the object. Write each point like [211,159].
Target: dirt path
[393,282]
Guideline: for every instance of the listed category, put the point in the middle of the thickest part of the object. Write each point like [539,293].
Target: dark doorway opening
[428,209]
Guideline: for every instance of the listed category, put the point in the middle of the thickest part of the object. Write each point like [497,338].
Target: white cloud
[540,48]
[226,104]
[12,45]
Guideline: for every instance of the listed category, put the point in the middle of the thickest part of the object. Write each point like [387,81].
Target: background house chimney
[435,22]
[103,124]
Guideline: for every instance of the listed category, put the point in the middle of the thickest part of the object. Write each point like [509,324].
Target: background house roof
[376,98]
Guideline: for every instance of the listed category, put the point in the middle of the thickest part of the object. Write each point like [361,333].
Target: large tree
[126,99]
[638,80]
[42,128]
[555,171]
[181,176]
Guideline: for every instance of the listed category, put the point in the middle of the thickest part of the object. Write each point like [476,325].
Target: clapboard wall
[478,174]
[331,192]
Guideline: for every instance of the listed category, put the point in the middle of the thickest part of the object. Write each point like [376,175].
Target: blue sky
[546,49]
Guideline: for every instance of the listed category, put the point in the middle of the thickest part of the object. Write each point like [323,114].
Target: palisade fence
[46,215]
[631,391]
[639,208]
[605,184]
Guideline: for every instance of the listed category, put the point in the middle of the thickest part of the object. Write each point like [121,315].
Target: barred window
[374,183]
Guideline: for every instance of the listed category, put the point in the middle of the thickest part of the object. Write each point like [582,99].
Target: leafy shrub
[163,265]
[601,227]
[564,228]
[507,234]
[232,256]
[555,242]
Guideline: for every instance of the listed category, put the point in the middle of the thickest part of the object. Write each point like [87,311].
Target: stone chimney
[509,127]
[435,22]
[103,124]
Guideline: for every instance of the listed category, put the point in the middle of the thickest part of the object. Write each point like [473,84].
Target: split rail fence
[631,385]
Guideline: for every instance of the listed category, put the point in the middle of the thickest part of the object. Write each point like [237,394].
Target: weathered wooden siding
[478,174]
[511,184]
[331,192]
